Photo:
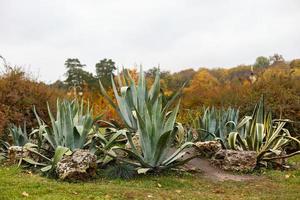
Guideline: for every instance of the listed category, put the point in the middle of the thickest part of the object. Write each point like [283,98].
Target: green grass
[272,185]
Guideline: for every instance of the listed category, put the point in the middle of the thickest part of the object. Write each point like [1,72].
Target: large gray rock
[232,160]
[208,148]
[81,165]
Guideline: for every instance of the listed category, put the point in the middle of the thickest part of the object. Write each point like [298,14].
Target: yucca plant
[143,110]
[19,136]
[262,134]
[70,128]
[215,123]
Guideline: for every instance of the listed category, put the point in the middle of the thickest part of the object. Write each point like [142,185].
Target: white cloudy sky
[40,34]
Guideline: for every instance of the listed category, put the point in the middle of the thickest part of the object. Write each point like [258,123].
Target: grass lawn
[271,185]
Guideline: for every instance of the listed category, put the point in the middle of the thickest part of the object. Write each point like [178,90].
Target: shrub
[120,171]
[18,94]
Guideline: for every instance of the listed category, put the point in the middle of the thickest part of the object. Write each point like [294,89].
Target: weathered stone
[235,160]
[81,165]
[15,153]
[208,148]
[136,142]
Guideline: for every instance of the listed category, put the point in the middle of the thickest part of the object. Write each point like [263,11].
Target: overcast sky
[177,34]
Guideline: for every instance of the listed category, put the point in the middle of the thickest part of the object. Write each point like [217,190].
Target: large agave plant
[143,110]
[261,134]
[215,123]
[70,128]
[134,96]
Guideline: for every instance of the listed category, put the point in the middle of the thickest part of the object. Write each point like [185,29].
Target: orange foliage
[18,94]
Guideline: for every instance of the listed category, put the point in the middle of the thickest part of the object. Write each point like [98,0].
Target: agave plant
[215,124]
[70,128]
[262,134]
[134,96]
[3,149]
[104,141]
[19,136]
[143,110]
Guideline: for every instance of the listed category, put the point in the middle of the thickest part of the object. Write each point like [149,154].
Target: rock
[232,160]
[136,142]
[208,148]
[81,165]
[15,153]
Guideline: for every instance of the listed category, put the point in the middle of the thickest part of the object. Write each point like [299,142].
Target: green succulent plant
[215,124]
[19,136]
[70,128]
[52,163]
[133,96]
[104,141]
[3,149]
[143,111]
[262,134]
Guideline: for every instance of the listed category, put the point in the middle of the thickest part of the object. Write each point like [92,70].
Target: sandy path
[203,165]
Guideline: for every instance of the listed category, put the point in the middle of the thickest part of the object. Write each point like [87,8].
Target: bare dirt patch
[214,173]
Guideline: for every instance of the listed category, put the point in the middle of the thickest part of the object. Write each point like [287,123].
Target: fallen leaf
[149,196]
[25,194]
[159,185]
[178,191]
[287,176]
[218,191]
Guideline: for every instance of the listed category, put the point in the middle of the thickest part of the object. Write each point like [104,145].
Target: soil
[203,165]
[214,173]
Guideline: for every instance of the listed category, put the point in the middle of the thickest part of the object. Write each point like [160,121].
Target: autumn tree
[165,77]
[201,87]
[179,78]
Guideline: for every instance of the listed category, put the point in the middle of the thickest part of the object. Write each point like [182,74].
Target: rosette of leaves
[262,134]
[71,126]
[144,111]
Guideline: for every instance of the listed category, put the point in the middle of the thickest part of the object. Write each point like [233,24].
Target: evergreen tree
[104,69]
[74,72]
[261,61]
